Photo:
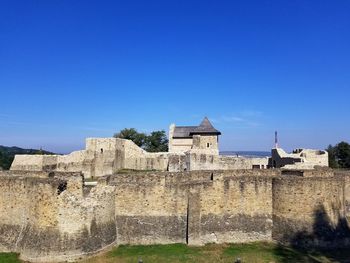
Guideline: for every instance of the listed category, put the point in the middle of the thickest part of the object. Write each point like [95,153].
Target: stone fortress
[191,195]
[191,148]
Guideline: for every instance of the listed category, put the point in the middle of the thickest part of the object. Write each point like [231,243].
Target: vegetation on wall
[339,155]
[7,154]
[156,141]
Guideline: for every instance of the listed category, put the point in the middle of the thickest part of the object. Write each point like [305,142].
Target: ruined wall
[231,209]
[310,211]
[193,207]
[102,156]
[52,217]
[48,218]
[316,157]
[177,162]
[299,159]
[202,161]
[138,159]
[149,210]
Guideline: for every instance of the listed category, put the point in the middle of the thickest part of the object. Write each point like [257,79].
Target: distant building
[203,137]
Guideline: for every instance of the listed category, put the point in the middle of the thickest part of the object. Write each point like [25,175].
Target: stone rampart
[52,216]
[49,219]
[310,211]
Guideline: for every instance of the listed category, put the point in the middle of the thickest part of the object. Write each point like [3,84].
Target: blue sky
[76,69]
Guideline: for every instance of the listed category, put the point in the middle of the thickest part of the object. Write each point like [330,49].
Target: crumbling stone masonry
[52,216]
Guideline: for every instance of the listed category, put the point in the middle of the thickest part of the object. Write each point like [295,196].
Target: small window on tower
[207,144]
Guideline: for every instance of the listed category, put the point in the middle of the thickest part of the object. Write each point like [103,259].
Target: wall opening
[61,187]
[212,176]
[208,144]
[101,150]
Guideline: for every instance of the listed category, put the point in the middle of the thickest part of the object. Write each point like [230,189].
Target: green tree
[342,153]
[157,141]
[133,135]
[339,155]
[331,157]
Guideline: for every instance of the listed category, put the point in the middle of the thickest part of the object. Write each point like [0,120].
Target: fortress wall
[149,210]
[346,177]
[33,162]
[310,211]
[236,206]
[138,159]
[200,161]
[317,157]
[78,161]
[177,163]
[49,219]
[231,208]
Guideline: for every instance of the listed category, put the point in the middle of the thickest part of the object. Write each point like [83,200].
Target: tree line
[156,141]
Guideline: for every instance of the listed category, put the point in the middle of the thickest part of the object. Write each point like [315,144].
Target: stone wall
[206,144]
[54,217]
[47,218]
[193,207]
[104,156]
[298,159]
[310,211]
[197,160]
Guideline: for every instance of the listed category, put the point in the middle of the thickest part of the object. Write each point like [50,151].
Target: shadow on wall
[326,239]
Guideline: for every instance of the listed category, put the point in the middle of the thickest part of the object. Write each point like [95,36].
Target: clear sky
[76,69]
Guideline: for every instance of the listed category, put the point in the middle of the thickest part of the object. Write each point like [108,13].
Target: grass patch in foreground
[156,253]
[257,252]
[266,252]
[9,258]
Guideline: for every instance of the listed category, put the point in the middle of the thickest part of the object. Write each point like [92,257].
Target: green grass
[165,253]
[267,252]
[258,252]
[9,258]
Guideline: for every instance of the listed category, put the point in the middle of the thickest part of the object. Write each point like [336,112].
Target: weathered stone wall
[180,145]
[206,144]
[193,207]
[299,159]
[231,209]
[49,219]
[310,211]
[102,156]
[138,159]
[149,209]
[52,217]
[197,160]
